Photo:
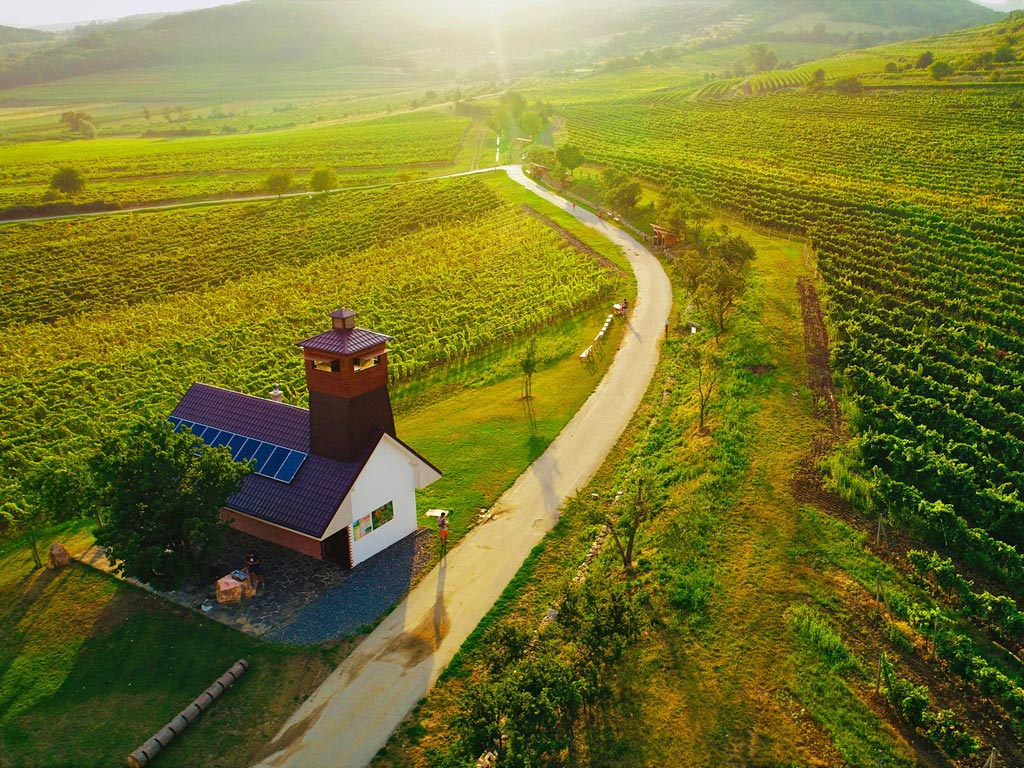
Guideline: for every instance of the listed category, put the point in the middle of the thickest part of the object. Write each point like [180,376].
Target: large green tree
[322,180]
[160,495]
[761,58]
[279,182]
[569,157]
[68,181]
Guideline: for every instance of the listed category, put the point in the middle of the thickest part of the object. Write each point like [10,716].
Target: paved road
[354,712]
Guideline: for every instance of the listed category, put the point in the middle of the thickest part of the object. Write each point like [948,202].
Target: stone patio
[303,600]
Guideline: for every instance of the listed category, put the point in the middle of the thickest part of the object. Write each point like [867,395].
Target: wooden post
[991,762]
[878,536]
[878,674]
[145,754]
[878,590]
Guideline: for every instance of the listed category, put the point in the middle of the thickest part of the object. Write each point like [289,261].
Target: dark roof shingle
[308,503]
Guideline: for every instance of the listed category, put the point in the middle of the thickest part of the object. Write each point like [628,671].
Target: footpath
[352,714]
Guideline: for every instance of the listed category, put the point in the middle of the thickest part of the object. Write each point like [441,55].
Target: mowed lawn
[91,667]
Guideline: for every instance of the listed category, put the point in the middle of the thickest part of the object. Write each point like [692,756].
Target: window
[331,366]
[362,363]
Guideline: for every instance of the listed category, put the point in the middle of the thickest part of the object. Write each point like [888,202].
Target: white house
[333,482]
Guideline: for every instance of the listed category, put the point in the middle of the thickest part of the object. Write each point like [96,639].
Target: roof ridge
[246,394]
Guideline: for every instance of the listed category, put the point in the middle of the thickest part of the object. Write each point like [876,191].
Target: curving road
[354,712]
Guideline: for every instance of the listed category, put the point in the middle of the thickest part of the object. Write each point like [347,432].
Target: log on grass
[145,754]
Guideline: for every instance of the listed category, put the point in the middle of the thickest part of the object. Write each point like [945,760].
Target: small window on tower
[331,366]
[362,363]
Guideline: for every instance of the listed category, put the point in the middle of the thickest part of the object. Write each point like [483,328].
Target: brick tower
[347,379]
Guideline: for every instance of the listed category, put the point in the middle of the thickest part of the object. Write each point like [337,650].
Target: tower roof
[345,341]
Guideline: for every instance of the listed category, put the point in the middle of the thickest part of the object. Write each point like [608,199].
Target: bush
[849,86]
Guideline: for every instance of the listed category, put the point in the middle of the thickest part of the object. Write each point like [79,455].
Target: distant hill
[12,35]
[325,33]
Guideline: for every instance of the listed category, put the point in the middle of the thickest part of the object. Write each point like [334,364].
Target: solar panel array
[273,461]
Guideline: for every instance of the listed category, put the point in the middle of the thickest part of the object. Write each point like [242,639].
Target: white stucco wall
[387,476]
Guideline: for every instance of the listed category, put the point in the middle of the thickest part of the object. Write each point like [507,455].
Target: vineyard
[912,202]
[446,267]
[128,170]
[911,199]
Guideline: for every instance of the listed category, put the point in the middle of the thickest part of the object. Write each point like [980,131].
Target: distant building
[663,238]
[333,482]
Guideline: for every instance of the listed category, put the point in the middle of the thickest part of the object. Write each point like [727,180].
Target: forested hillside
[407,35]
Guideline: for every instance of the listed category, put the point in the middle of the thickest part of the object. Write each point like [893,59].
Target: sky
[38,13]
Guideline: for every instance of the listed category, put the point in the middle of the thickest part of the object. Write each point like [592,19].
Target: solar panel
[247,451]
[235,444]
[262,456]
[273,461]
[291,465]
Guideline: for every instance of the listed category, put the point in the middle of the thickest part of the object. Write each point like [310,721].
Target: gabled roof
[345,341]
[308,503]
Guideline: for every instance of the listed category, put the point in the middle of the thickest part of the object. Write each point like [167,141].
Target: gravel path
[363,597]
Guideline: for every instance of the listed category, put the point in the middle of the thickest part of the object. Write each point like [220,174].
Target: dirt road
[351,716]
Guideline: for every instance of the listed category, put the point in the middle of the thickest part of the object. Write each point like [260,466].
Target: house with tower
[334,481]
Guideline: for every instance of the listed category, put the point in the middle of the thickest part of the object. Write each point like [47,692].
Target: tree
[719,288]
[570,157]
[941,70]
[529,366]
[68,180]
[924,60]
[624,520]
[672,216]
[817,81]
[699,217]
[161,493]
[1004,54]
[531,123]
[323,179]
[75,121]
[560,176]
[623,196]
[733,250]
[849,86]
[761,58]
[708,367]
[621,192]
[279,182]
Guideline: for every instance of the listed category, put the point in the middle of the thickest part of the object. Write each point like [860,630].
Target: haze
[45,13]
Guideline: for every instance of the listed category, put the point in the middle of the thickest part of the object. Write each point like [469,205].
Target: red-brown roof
[345,341]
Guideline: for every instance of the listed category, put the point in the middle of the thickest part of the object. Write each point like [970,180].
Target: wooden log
[145,754]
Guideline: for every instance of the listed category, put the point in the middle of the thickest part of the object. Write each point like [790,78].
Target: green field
[130,171]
